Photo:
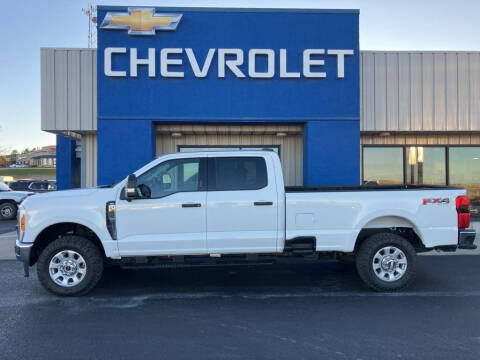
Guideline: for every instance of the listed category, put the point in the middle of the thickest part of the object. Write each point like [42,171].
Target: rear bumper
[466,238]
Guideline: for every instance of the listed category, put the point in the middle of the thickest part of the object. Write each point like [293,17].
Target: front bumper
[22,253]
[466,238]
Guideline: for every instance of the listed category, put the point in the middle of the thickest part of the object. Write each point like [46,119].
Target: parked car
[34,185]
[20,184]
[9,201]
[232,207]
[43,186]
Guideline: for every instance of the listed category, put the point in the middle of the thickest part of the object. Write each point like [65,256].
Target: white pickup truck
[189,209]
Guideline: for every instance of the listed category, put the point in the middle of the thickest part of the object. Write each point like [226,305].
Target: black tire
[365,257]
[91,254]
[8,210]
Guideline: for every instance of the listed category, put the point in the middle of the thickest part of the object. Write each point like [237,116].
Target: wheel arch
[397,224]
[54,231]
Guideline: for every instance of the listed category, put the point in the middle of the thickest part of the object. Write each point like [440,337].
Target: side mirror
[131,188]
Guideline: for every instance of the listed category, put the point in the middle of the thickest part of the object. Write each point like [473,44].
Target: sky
[32,24]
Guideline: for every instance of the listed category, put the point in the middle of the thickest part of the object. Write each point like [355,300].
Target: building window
[464,171]
[425,165]
[383,165]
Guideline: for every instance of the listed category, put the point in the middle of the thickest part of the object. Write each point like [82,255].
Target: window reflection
[464,171]
[425,165]
[383,165]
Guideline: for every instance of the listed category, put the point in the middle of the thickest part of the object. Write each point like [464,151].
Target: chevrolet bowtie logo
[140,21]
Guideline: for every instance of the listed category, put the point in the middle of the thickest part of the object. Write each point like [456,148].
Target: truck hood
[68,193]
[17,196]
[65,199]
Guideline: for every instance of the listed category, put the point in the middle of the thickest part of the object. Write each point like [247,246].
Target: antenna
[91,12]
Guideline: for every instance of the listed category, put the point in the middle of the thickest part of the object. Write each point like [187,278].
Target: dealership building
[291,80]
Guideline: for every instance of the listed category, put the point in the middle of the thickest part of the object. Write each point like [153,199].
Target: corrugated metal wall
[69,89]
[91,160]
[291,146]
[420,91]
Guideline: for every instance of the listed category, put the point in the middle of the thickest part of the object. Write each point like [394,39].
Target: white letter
[165,61]
[231,64]
[283,66]
[270,63]
[193,62]
[134,62]
[308,62]
[107,61]
[340,60]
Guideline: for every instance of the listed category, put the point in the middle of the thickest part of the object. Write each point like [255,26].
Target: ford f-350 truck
[210,208]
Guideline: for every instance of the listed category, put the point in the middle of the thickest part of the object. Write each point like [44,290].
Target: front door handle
[190,205]
[262,203]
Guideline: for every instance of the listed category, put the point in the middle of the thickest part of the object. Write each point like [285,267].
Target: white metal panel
[61,86]
[439,88]
[463,92]
[87,85]
[47,88]
[474,96]
[69,90]
[452,91]
[392,91]
[404,99]
[380,92]
[368,90]
[73,90]
[434,91]
[428,86]
[416,92]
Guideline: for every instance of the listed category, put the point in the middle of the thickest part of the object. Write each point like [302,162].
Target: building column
[66,162]
[123,146]
[331,154]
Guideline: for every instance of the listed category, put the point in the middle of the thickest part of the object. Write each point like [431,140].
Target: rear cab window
[237,173]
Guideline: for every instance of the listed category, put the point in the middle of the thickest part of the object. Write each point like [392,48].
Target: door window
[169,177]
[237,173]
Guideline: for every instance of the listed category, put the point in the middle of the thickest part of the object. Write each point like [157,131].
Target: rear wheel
[386,262]
[70,266]
[8,211]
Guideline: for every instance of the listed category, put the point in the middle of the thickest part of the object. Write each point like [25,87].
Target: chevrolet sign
[231,59]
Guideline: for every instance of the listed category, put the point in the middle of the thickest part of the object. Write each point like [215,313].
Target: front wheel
[386,262]
[8,211]
[70,266]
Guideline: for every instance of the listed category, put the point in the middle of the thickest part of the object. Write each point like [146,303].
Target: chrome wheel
[389,263]
[6,211]
[67,268]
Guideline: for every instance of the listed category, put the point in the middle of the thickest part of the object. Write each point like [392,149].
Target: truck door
[242,204]
[169,217]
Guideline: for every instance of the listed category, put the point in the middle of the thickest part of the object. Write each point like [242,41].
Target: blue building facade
[228,66]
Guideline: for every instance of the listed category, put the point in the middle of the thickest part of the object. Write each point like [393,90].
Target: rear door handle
[262,203]
[190,205]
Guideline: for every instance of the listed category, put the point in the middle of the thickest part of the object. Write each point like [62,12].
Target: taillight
[463,211]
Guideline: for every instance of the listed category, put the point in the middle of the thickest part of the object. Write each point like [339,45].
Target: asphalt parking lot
[292,311]
[7,226]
